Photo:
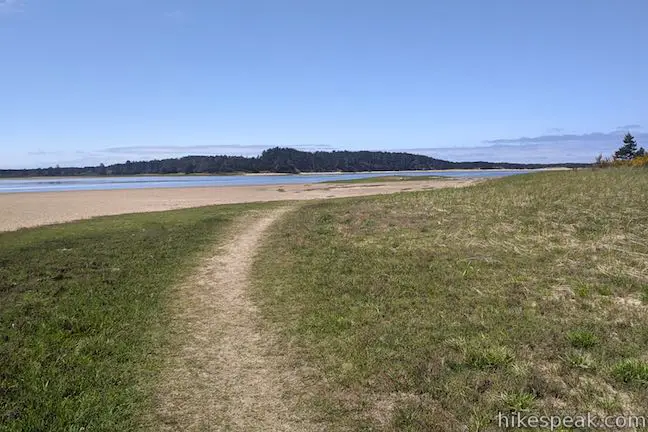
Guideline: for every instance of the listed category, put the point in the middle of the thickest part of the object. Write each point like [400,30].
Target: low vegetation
[628,155]
[436,310]
[82,314]
[632,370]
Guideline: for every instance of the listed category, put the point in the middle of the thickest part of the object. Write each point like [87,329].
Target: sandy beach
[22,210]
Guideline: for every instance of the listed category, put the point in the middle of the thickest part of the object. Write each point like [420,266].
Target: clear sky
[89,81]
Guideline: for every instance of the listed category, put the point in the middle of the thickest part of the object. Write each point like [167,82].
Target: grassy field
[384,179]
[436,310]
[428,310]
[82,315]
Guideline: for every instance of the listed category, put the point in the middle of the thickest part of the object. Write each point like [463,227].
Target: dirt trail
[226,375]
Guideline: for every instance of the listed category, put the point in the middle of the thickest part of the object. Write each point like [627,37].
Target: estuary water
[57,184]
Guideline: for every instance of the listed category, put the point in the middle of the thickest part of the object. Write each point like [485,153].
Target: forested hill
[276,160]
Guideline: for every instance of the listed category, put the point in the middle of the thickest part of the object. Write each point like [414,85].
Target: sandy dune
[21,210]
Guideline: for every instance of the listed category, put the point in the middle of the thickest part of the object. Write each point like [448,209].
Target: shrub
[604,162]
[639,162]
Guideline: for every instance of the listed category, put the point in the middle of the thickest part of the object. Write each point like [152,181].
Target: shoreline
[31,209]
[142,176]
[310,173]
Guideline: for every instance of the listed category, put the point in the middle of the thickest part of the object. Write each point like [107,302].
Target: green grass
[582,338]
[82,315]
[385,179]
[435,310]
[632,370]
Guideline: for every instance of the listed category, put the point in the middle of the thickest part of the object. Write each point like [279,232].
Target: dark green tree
[102,170]
[628,150]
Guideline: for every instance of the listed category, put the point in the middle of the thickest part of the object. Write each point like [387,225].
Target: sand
[23,210]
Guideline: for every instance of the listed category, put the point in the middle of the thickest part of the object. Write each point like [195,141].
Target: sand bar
[22,210]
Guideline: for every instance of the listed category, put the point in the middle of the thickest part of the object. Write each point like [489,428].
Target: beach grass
[437,310]
[82,314]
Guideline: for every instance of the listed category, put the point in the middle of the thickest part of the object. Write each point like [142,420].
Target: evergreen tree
[628,150]
[102,170]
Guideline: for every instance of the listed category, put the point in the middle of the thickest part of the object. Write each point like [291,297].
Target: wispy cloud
[551,148]
[7,6]
[590,137]
[243,149]
[175,15]
[206,149]
[628,127]
[109,155]
[541,149]
[44,153]
[527,153]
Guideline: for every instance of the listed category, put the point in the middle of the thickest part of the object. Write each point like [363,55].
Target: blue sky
[83,82]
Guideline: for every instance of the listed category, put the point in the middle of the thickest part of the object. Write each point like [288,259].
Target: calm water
[45,184]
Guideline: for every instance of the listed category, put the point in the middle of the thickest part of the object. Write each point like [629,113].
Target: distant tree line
[275,160]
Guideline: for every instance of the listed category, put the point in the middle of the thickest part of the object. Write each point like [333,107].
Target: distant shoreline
[310,173]
[279,161]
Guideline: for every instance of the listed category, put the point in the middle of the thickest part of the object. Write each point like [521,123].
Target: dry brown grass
[522,293]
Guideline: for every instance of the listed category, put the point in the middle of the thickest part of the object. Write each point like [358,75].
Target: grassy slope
[82,312]
[439,309]
[384,179]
